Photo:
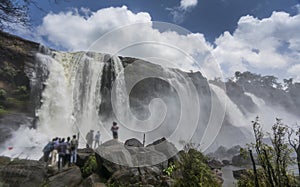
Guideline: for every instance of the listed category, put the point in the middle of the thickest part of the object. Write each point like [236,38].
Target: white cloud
[179,12]
[185,4]
[268,46]
[74,31]
[295,72]
[263,44]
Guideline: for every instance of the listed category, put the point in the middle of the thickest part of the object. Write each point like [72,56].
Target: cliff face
[16,99]
[16,59]
[22,81]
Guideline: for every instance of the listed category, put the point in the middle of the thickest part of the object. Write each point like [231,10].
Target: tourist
[97,139]
[89,138]
[62,148]
[54,152]
[68,152]
[74,147]
[114,130]
[47,150]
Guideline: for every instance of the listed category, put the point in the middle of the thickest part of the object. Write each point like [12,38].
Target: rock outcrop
[23,173]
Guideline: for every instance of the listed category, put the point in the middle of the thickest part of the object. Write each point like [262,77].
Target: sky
[223,36]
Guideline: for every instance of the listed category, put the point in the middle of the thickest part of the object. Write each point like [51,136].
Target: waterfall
[267,113]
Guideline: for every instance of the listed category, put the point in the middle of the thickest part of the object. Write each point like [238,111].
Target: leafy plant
[194,169]
[169,170]
[89,166]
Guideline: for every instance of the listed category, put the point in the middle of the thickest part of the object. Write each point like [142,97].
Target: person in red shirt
[114,130]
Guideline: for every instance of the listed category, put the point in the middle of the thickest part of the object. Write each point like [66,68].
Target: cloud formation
[116,28]
[268,45]
[185,4]
[178,13]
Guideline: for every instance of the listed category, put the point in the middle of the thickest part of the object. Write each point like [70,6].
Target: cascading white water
[268,113]
[236,117]
[70,102]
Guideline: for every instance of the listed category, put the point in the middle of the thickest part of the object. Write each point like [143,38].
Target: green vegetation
[169,170]
[274,159]
[194,170]
[8,72]
[90,166]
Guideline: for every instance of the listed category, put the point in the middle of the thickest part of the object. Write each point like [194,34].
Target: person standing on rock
[68,152]
[114,129]
[74,147]
[97,139]
[54,152]
[62,149]
[89,139]
[47,150]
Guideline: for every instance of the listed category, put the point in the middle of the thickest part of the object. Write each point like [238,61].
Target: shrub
[194,170]
[90,166]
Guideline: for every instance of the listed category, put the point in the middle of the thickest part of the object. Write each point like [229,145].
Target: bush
[2,94]
[90,166]
[194,170]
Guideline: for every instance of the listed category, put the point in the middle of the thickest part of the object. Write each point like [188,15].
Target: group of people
[66,149]
[90,138]
[63,149]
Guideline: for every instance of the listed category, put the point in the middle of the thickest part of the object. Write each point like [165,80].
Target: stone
[215,164]
[83,156]
[226,162]
[133,143]
[92,181]
[25,173]
[68,177]
[240,160]
[237,174]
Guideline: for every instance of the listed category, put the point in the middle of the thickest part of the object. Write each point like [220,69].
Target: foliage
[169,170]
[2,94]
[294,141]
[8,72]
[21,93]
[90,166]
[13,12]
[194,170]
[274,159]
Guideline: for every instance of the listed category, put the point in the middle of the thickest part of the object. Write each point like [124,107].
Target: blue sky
[210,17]
[261,36]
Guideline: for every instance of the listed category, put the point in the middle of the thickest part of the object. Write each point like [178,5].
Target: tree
[14,12]
[294,141]
[194,169]
[274,159]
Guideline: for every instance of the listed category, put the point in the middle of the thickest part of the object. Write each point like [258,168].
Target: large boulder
[93,181]
[83,156]
[69,177]
[146,176]
[240,160]
[165,147]
[133,143]
[215,164]
[22,172]
[237,174]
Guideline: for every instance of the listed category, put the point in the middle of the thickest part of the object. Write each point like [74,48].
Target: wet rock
[237,174]
[133,143]
[92,181]
[240,160]
[167,148]
[215,164]
[69,177]
[225,162]
[83,156]
[22,172]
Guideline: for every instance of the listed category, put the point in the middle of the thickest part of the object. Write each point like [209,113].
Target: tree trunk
[254,169]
